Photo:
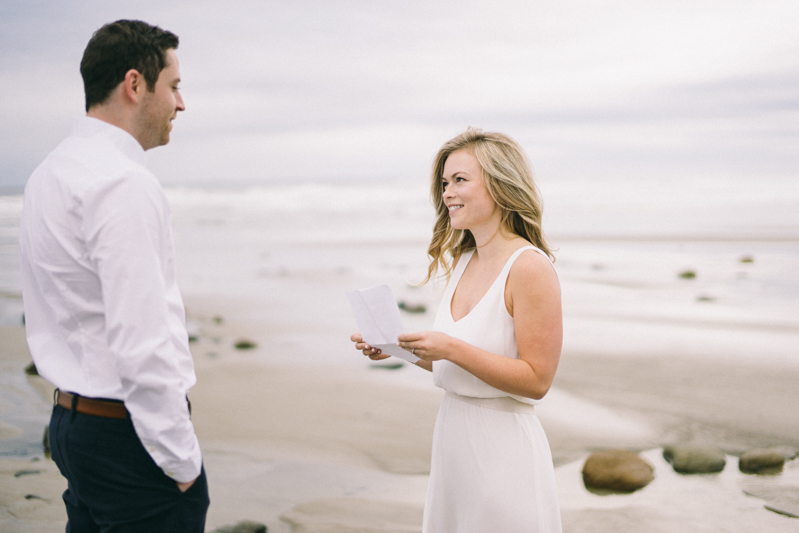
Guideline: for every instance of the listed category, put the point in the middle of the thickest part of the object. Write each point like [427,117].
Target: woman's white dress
[491,468]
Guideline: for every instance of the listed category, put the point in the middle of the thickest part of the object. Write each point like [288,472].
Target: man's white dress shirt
[103,314]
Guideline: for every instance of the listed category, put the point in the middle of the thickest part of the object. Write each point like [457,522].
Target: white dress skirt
[491,469]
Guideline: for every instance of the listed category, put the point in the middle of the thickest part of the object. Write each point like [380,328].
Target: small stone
[218,319]
[21,473]
[687,274]
[747,259]
[617,470]
[248,526]
[245,526]
[46,441]
[387,366]
[761,461]
[31,370]
[193,329]
[245,344]
[413,308]
[694,458]
[705,298]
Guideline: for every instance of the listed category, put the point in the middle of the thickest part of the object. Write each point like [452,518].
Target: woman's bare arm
[533,298]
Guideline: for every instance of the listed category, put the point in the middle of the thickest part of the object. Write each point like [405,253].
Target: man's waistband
[91,406]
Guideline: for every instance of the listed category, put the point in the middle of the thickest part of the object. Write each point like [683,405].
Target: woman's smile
[464,186]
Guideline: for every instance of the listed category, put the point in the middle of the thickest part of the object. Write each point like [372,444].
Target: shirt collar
[127,144]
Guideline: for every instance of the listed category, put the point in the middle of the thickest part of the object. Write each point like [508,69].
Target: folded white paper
[379,320]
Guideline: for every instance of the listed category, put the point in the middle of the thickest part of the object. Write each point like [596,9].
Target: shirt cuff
[182,471]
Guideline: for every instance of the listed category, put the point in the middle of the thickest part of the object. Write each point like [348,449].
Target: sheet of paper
[379,320]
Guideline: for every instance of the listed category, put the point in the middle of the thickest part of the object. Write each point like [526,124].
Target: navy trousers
[114,486]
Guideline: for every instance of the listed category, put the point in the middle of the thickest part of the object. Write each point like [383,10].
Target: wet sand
[310,445]
[737,405]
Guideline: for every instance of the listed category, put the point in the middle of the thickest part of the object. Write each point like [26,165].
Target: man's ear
[132,86]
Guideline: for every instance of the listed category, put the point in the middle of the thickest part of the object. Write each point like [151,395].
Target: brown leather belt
[92,406]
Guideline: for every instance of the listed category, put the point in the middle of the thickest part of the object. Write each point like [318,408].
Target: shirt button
[170,474]
[152,448]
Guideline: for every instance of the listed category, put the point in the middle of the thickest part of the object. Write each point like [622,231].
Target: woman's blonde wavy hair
[509,180]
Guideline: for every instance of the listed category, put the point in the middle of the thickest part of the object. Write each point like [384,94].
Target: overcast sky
[326,89]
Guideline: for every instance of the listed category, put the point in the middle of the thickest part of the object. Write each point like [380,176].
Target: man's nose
[180,105]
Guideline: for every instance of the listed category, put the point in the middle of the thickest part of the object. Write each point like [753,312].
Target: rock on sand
[617,470]
[761,461]
[694,458]
[245,526]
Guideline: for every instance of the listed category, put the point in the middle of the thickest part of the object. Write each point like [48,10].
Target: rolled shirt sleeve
[126,226]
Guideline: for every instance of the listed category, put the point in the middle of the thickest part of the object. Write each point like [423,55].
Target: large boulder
[761,461]
[617,470]
[694,458]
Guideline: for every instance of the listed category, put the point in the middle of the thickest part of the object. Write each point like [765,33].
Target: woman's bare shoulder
[532,267]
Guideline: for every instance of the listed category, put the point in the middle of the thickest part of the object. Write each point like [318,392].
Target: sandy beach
[296,165]
[304,434]
[345,447]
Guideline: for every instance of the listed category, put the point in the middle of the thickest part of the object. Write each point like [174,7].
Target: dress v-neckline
[483,297]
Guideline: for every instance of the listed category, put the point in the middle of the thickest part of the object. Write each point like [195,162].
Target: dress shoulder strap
[457,272]
[512,259]
[517,253]
[463,260]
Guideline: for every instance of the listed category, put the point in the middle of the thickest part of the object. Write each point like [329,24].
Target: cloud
[318,89]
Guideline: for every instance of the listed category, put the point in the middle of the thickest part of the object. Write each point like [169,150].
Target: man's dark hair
[119,47]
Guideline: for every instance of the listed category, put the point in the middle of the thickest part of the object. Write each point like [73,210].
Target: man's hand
[185,486]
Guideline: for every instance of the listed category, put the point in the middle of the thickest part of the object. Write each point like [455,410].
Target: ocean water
[10,292]
[716,256]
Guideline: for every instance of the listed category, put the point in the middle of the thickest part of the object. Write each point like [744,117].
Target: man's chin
[165,135]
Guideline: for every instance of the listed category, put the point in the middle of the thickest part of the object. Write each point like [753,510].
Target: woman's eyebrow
[454,174]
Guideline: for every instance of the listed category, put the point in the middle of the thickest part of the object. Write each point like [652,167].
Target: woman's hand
[428,345]
[372,353]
